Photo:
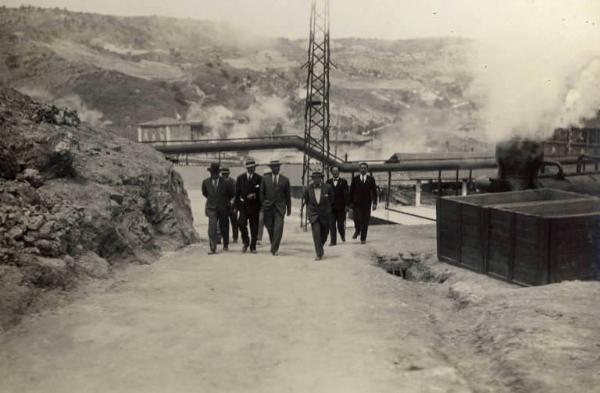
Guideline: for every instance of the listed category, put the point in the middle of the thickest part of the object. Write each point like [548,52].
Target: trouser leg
[213,223]
[341,224]
[324,231]
[365,218]
[254,222]
[243,225]
[268,222]
[332,228]
[261,225]
[278,220]
[234,225]
[224,228]
[357,221]
[317,238]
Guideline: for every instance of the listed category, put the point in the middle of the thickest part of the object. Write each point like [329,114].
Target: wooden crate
[545,242]
[463,227]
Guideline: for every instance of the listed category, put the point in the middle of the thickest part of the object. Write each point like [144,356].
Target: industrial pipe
[296,142]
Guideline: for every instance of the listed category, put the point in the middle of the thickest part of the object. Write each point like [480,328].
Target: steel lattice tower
[316,116]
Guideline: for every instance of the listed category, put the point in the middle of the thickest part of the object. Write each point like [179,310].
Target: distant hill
[122,71]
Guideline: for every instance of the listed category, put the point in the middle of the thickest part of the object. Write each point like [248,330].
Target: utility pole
[316,116]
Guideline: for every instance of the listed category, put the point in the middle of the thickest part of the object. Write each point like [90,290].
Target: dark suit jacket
[244,189]
[340,194]
[321,209]
[276,197]
[219,199]
[363,195]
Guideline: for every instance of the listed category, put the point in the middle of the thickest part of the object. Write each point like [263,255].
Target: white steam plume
[538,70]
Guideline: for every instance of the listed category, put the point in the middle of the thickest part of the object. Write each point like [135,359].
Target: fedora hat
[250,164]
[225,170]
[316,174]
[214,167]
[275,163]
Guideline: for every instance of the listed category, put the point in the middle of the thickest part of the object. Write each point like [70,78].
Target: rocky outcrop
[75,201]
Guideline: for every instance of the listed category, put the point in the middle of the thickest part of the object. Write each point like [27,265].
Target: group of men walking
[327,204]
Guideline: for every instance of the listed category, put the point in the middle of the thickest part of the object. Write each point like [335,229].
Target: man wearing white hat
[276,200]
[248,203]
[318,198]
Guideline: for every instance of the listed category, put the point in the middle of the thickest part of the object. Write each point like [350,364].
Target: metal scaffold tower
[316,116]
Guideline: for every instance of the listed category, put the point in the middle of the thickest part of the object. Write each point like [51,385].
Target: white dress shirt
[318,194]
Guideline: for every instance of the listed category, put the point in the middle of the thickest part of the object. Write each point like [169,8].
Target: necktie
[276,179]
[215,183]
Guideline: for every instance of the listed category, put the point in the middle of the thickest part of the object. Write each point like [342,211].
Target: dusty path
[235,323]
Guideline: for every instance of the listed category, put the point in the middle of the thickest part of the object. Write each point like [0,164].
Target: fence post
[418,193]
[457,181]
[464,191]
[389,190]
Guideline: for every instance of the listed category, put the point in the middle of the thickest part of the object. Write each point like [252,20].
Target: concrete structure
[167,130]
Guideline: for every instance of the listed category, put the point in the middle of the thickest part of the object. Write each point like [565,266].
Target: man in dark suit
[233,211]
[318,198]
[339,205]
[275,200]
[218,195]
[363,196]
[248,203]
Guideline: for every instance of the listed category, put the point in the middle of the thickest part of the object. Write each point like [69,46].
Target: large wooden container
[465,228]
[544,242]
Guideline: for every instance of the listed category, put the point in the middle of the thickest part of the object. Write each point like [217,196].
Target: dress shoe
[275,253]
[318,258]
[225,248]
[244,249]
[253,252]
[363,242]
[332,244]
[355,236]
[212,252]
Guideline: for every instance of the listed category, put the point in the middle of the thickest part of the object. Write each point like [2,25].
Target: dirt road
[257,323]
[233,323]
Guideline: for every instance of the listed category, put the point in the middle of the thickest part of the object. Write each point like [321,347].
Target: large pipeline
[296,142]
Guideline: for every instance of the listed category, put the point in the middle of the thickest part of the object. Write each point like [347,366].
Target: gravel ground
[256,323]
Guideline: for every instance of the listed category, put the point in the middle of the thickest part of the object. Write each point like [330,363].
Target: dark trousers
[218,222]
[249,216]
[320,231]
[233,218]
[338,224]
[274,224]
[361,221]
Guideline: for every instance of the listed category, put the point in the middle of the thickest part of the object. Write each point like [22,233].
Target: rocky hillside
[119,72]
[75,201]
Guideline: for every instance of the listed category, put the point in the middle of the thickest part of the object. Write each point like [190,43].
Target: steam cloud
[269,115]
[540,71]
[71,101]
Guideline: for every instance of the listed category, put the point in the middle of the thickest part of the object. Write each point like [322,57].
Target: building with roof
[167,130]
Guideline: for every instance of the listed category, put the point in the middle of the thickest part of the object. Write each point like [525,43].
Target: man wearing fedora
[339,205]
[363,197]
[218,194]
[276,200]
[233,210]
[247,199]
[318,198]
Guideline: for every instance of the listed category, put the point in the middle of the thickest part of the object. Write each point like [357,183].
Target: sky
[389,19]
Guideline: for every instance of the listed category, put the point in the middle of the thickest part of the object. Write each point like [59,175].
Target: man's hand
[251,196]
[374,206]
